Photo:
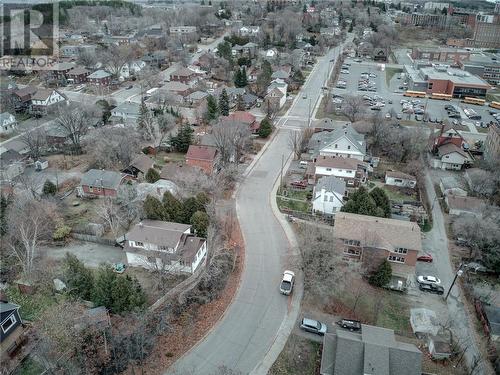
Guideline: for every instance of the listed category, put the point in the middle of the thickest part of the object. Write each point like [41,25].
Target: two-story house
[343,142]
[353,171]
[370,240]
[100,78]
[45,99]
[184,75]
[161,245]
[328,195]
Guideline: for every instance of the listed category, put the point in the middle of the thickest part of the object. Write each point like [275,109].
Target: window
[401,250]
[329,169]
[163,248]
[348,147]
[331,198]
[325,199]
[336,145]
[9,322]
[351,251]
[139,244]
[396,259]
[398,181]
[91,189]
[352,242]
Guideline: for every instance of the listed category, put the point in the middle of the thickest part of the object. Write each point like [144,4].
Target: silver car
[313,326]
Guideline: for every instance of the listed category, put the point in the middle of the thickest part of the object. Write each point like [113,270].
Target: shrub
[61,232]
[152,175]
[382,276]
[49,188]
[265,129]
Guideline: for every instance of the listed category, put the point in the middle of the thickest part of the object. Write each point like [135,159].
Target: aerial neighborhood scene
[281,187]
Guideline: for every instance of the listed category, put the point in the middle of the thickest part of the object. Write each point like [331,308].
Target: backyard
[294,200]
[300,356]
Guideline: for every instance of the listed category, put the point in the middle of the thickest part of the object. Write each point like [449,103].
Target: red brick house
[78,75]
[370,240]
[98,183]
[245,118]
[203,157]
[443,135]
[183,75]
[100,78]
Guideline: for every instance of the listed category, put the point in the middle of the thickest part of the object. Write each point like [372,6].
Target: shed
[439,348]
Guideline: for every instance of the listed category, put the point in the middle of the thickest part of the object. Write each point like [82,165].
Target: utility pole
[457,274]
[281,173]
[309,114]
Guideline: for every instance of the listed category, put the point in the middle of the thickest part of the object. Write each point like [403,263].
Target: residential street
[259,313]
[436,243]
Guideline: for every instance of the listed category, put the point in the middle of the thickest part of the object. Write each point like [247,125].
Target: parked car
[419,117]
[351,325]
[130,87]
[428,280]
[431,288]
[344,71]
[313,326]
[388,115]
[399,116]
[287,282]
[425,258]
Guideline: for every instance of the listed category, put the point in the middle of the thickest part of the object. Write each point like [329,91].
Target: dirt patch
[300,356]
[194,325]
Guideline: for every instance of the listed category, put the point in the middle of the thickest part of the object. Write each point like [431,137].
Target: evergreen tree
[153,209]
[224,50]
[200,221]
[4,206]
[212,109]
[237,78]
[172,207]
[382,201]
[351,27]
[79,279]
[240,77]
[304,9]
[224,103]
[152,175]
[382,276]
[103,285]
[444,11]
[143,114]
[298,77]
[265,128]
[183,139]
[189,207]
[49,188]
[244,80]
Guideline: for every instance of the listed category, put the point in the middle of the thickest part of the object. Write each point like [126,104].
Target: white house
[276,92]
[400,179]
[8,123]
[154,244]
[352,171]
[343,142]
[127,111]
[248,30]
[130,68]
[328,195]
[451,157]
[44,99]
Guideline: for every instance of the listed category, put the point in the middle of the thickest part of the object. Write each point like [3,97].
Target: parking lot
[366,78]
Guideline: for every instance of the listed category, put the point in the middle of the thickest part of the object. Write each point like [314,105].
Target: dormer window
[336,145]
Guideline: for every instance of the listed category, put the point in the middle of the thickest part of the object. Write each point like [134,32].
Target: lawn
[395,313]
[292,204]
[29,367]
[492,97]
[32,306]
[300,356]
[168,157]
[322,114]
[390,72]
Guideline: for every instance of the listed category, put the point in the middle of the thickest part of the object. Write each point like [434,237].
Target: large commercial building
[484,65]
[492,144]
[440,54]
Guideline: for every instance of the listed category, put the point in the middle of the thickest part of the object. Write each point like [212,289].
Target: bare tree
[35,141]
[482,183]
[129,209]
[31,183]
[109,212]
[30,222]
[116,57]
[230,139]
[158,128]
[87,59]
[298,141]
[74,123]
[353,107]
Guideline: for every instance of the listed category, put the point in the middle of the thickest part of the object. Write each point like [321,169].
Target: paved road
[252,322]
[436,242]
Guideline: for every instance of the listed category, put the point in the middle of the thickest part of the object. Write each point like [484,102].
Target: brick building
[440,54]
[203,157]
[492,144]
[370,240]
[100,183]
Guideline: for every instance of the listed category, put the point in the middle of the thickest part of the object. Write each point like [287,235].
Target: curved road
[252,322]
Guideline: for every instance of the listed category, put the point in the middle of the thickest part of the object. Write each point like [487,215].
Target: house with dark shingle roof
[78,75]
[155,244]
[139,166]
[44,99]
[374,351]
[99,78]
[451,157]
[12,329]
[100,183]
[183,75]
[203,157]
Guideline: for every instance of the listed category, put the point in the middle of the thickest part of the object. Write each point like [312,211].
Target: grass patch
[169,157]
[483,130]
[292,204]
[426,226]
[395,313]
[29,367]
[490,97]
[300,356]
[390,72]
[31,306]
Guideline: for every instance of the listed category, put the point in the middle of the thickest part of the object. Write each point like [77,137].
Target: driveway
[436,243]
[254,320]
[91,254]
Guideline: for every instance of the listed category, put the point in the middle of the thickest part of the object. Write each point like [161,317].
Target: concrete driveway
[259,315]
[91,254]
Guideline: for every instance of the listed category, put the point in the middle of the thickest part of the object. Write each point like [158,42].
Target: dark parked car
[351,325]
[431,288]
[313,326]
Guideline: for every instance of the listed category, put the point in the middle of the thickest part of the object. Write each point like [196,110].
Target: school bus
[441,96]
[415,94]
[495,105]
[476,101]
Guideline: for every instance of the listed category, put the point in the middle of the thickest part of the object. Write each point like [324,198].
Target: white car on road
[287,282]
[428,280]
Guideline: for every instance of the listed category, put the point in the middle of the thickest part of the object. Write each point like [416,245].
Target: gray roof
[5,116]
[6,306]
[197,95]
[102,178]
[99,74]
[450,182]
[323,139]
[158,232]
[493,315]
[128,108]
[331,184]
[374,351]
[280,74]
